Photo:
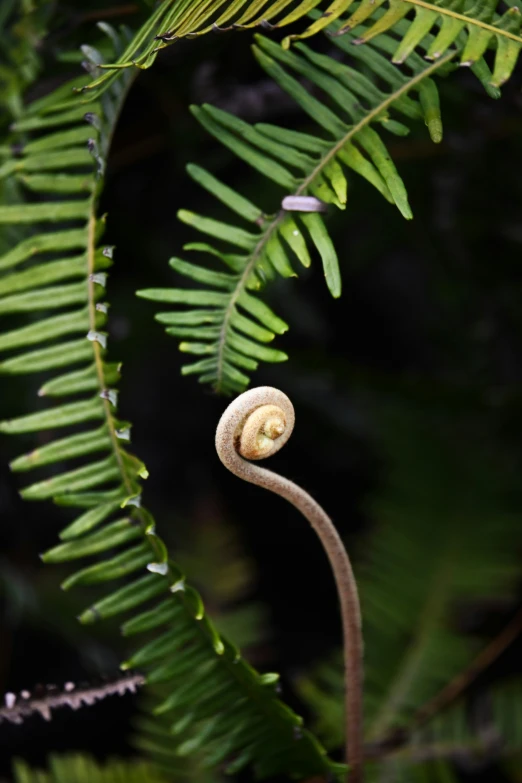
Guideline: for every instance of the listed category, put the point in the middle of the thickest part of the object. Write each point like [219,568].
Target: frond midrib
[155,22]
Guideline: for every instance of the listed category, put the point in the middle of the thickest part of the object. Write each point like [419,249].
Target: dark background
[430,317]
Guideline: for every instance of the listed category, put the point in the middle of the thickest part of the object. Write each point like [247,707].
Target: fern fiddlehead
[254,426]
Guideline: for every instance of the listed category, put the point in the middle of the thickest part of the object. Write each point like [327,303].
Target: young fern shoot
[254,426]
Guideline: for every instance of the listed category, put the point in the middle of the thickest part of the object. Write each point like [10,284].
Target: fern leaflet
[475,25]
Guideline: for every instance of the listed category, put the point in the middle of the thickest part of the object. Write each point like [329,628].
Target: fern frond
[56,277]
[229,327]
[399,33]
[172,20]
[80,768]
[487,726]
[473,26]
[224,572]
[443,541]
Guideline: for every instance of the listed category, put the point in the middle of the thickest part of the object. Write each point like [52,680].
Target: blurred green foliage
[407,388]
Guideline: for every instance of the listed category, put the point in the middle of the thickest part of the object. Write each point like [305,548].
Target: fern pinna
[228,326]
[474,26]
[212,699]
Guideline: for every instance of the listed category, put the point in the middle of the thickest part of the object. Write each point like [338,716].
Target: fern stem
[240,287]
[242,674]
[256,425]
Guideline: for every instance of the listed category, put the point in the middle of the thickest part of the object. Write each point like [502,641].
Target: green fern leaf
[473,27]
[230,327]
[55,278]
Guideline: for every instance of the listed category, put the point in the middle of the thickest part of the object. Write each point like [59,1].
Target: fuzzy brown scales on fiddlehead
[262,432]
[254,426]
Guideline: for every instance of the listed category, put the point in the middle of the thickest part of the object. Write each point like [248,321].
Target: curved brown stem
[256,425]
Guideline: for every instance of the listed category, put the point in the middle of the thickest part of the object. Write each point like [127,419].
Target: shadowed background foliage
[423,348]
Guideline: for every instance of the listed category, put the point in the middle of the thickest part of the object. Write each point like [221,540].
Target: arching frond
[172,20]
[225,573]
[475,25]
[390,41]
[468,555]
[230,326]
[52,287]
[415,577]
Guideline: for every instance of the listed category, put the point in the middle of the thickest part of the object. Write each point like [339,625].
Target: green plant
[80,769]
[373,71]
[255,426]
[232,331]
